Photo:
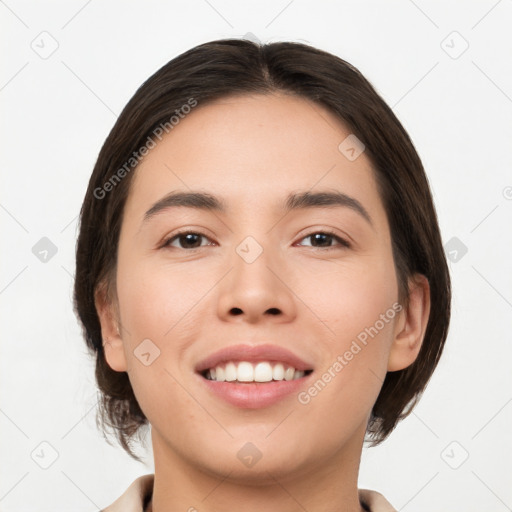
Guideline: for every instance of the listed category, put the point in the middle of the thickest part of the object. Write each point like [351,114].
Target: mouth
[261,372]
[253,377]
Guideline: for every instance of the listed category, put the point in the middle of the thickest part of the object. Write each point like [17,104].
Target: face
[315,279]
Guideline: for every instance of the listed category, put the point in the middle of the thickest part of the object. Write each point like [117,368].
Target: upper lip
[254,354]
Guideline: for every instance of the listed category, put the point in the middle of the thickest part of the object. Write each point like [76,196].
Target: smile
[263,371]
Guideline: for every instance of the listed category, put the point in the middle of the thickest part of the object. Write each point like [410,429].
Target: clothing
[139,494]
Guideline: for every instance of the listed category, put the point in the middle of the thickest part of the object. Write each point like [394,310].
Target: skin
[252,151]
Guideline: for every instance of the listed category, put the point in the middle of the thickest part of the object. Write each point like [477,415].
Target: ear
[109,321]
[411,325]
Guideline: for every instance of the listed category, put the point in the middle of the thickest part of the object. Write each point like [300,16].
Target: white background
[56,113]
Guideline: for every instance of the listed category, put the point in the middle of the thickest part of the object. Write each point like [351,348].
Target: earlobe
[411,326]
[112,341]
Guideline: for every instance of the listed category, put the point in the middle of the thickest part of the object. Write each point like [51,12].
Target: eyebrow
[294,201]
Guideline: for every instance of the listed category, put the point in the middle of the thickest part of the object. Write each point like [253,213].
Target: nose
[257,291]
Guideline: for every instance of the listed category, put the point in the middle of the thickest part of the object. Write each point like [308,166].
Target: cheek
[159,301]
[349,297]
[153,298]
[353,306]
[157,307]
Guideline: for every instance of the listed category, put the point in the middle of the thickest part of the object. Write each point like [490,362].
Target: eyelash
[343,243]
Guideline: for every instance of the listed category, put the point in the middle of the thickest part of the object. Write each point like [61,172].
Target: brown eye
[323,239]
[186,240]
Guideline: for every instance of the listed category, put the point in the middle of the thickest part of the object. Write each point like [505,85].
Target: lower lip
[255,395]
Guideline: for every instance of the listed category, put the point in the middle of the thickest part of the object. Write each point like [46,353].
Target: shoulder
[375,501]
[133,499]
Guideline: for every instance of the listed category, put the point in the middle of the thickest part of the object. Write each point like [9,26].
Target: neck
[328,484]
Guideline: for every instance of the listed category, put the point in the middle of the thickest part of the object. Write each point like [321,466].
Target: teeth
[262,372]
[245,372]
[278,372]
[248,372]
[288,374]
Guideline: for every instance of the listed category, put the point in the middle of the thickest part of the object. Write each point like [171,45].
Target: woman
[261,276]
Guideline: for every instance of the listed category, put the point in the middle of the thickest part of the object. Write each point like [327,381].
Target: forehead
[254,150]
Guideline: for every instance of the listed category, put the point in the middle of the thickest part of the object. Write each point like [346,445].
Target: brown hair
[228,67]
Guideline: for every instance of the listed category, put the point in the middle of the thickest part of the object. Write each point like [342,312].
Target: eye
[324,239]
[192,240]
[186,239]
